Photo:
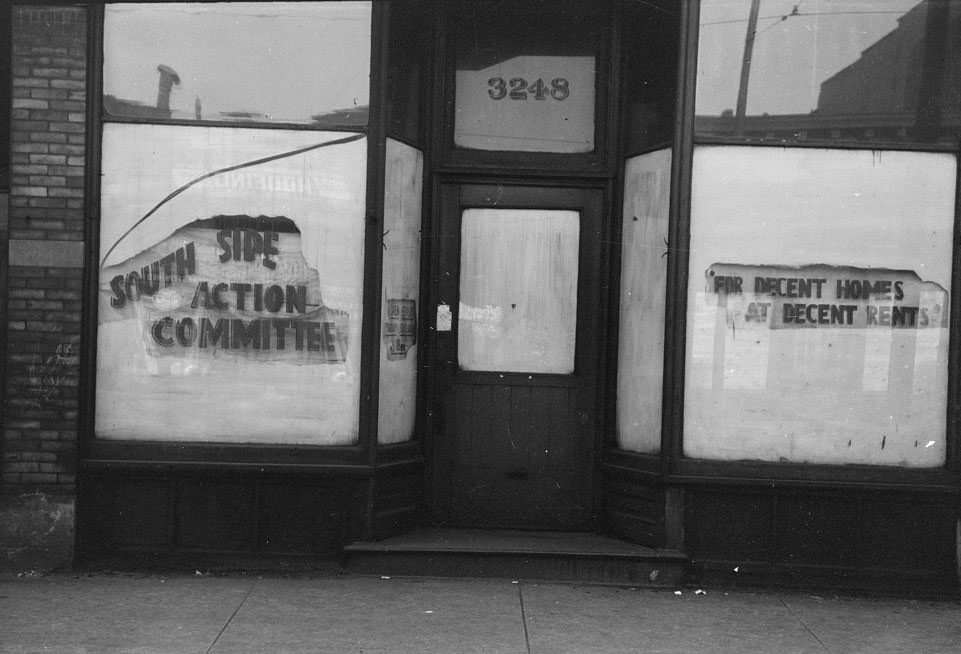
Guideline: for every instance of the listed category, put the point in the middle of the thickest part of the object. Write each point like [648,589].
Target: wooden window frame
[358,459]
[671,466]
[451,158]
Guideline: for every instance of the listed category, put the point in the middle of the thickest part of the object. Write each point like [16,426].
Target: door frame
[451,196]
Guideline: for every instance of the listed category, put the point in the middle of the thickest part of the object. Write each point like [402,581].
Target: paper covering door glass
[518,290]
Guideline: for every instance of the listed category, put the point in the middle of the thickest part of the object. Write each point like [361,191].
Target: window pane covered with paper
[818,306]
[518,290]
[230,284]
[640,347]
[403,188]
[247,62]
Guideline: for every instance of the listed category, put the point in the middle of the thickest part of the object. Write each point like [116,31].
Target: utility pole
[746,66]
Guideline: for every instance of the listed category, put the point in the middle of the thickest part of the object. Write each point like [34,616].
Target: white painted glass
[518,290]
[231,284]
[525,77]
[401,285]
[527,104]
[640,348]
[248,62]
[818,306]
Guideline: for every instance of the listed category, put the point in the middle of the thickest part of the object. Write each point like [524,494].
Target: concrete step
[529,555]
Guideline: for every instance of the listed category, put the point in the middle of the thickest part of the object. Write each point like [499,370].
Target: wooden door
[518,330]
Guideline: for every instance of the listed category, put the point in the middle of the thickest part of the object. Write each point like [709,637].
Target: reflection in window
[649,72]
[409,35]
[851,70]
[283,62]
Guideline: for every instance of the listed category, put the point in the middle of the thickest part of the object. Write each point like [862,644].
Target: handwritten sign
[826,297]
[229,285]
[527,104]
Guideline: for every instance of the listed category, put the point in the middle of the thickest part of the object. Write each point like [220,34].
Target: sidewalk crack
[230,619]
[804,624]
[527,636]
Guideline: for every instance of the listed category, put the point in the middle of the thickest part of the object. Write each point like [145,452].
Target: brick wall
[44,279]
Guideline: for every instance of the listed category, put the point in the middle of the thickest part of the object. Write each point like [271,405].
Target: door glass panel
[518,290]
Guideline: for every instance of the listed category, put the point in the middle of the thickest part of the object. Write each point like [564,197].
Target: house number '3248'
[518,88]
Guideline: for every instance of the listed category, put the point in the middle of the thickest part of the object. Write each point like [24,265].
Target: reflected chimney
[168,77]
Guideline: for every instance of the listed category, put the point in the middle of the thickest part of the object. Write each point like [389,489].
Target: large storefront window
[818,306]
[231,258]
[839,70]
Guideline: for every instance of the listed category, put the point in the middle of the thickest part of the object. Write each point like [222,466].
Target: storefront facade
[285,276]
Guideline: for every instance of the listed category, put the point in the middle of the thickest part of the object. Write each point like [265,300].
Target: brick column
[45,285]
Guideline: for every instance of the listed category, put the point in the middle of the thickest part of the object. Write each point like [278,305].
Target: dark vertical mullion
[607,424]
[595,255]
[608,414]
[437,475]
[675,333]
[927,126]
[428,109]
[607,95]
[427,352]
[92,164]
[446,62]
[88,306]
[445,281]
[953,428]
[374,231]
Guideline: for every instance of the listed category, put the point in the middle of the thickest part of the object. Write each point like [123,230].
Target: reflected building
[119,107]
[904,87]
[353,116]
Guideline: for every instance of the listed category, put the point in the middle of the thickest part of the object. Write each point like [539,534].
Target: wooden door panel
[515,460]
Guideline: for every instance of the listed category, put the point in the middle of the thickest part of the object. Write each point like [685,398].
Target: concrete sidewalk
[321,614]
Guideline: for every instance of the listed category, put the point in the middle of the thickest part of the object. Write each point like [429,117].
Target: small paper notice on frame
[444,318]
